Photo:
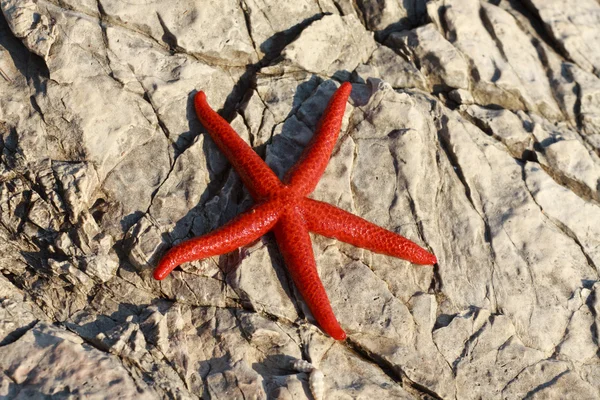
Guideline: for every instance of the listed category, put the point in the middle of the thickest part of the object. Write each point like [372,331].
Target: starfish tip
[345,87]
[159,275]
[335,332]
[199,97]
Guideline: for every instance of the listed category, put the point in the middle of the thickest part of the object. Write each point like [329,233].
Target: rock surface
[473,129]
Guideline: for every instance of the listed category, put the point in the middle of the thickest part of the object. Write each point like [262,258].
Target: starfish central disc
[284,208]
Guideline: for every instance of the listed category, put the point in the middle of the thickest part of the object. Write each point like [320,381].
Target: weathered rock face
[473,129]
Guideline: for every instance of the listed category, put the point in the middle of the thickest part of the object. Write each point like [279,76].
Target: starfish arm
[244,229]
[305,174]
[255,173]
[294,243]
[336,223]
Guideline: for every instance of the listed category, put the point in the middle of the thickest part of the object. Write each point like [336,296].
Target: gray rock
[469,130]
[588,86]
[518,50]
[49,361]
[506,127]
[577,221]
[34,29]
[477,344]
[461,96]
[504,202]
[17,313]
[567,157]
[564,382]
[389,16]
[216,34]
[329,45]
[505,67]
[273,24]
[386,65]
[441,62]
[575,28]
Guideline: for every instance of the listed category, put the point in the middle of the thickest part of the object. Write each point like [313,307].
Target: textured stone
[588,92]
[505,67]
[470,133]
[329,45]
[527,266]
[392,68]
[564,153]
[218,33]
[441,62]
[579,221]
[48,361]
[17,313]
[273,24]
[388,16]
[575,27]
[506,127]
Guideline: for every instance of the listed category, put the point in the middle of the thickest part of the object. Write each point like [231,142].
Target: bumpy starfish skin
[284,208]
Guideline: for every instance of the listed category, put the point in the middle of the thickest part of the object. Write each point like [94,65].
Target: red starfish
[284,208]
